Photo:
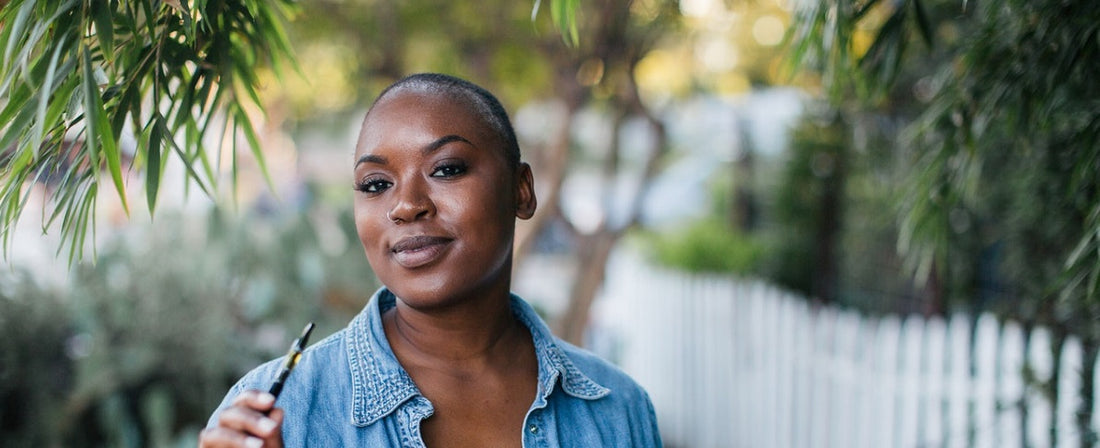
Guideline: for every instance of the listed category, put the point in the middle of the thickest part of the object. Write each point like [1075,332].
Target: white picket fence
[742,364]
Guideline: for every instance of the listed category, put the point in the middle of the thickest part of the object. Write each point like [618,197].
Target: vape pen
[292,358]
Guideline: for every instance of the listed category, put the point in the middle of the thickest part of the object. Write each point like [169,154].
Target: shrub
[707,245]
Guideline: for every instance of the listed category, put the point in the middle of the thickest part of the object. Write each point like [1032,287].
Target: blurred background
[795,222]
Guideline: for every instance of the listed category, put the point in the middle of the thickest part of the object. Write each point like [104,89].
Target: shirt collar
[380,385]
[553,362]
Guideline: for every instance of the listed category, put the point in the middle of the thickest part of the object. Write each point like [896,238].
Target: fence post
[742,364]
[1041,362]
[935,336]
[958,382]
[985,381]
[1069,386]
[885,376]
[1010,392]
[821,374]
[846,389]
[909,382]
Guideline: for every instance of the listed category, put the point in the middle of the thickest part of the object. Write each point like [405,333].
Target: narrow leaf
[17,127]
[863,9]
[923,23]
[152,166]
[188,160]
[1081,248]
[98,131]
[15,100]
[17,27]
[104,28]
[564,15]
[44,96]
[535,10]
[126,107]
[254,144]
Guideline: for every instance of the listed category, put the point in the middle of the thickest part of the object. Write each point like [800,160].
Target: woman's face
[436,199]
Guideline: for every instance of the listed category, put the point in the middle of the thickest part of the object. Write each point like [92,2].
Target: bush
[147,340]
[35,369]
[707,245]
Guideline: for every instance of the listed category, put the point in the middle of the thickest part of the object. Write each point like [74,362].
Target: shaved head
[480,101]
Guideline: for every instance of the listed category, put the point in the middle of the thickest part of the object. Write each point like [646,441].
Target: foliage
[807,206]
[707,245]
[1000,207]
[80,77]
[713,242]
[1003,131]
[564,14]
[351,50]
[143,344]
[34,369]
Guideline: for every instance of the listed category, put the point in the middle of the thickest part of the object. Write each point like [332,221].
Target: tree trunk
[592,257]
[742,207]
[826,271]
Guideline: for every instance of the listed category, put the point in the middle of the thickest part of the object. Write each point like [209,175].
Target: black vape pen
[292,358]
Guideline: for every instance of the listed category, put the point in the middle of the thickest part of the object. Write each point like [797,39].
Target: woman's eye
[373,186]
[449,170]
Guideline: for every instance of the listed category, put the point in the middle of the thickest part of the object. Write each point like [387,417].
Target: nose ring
[394,219]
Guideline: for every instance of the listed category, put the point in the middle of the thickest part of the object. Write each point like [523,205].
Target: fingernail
[253,442]
[266,425]
[266,399]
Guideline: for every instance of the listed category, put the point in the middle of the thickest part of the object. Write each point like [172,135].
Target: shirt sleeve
[645,432]
[251,381]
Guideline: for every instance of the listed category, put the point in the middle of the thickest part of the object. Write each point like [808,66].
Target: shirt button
[534,429]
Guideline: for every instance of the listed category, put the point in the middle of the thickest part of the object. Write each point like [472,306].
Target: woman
[443,354]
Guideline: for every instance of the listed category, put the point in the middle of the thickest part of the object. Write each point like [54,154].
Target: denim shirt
[350,390]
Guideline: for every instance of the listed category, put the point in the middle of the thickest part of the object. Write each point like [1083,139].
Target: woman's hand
[252,421]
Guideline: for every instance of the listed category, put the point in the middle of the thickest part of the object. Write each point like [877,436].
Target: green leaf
[277,34]
[152,165]
[59,56]
[129,104]
[99,130]
[234,169]
[535,10]
[62,95]
[863,9]
[16,29]
[17,128]
[18,97]
[44,95]
[104,28]
[246,80]
[564,15]
[923,23]
[34,38]
[150,18]
[14,200]
[254,144]
[1086,242]
[188,160]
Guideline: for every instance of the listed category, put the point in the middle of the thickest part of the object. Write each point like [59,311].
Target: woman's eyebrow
[427,149]
[433,146]
[371,158]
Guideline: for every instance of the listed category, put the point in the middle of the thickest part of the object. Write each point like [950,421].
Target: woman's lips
[416,251]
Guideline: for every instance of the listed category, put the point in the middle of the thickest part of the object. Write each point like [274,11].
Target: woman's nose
[413,203]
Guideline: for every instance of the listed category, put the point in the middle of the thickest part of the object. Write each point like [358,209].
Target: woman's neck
[470,334]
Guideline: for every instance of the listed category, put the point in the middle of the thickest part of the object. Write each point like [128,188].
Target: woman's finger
[225,438]
[254,399]
[249,421]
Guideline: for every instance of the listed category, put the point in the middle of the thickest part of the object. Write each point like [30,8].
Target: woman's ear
[526,203]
